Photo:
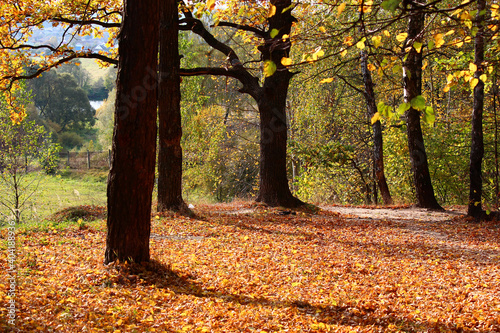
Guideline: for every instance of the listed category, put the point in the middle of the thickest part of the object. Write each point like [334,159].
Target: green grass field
[54,193]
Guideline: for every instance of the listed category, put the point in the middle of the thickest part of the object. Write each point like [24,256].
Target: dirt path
[397,214]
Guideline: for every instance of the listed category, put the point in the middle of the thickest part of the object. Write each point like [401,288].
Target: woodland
[290,106]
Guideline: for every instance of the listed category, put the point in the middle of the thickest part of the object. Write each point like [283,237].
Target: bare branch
[257,32]
[56,64]
[250,83]
[87,22]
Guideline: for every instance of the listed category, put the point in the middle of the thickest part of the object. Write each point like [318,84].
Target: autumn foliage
[246,268]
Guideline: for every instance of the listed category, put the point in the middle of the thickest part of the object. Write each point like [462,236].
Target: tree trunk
[169,110]
[477,144]
[378,152]
[274,189]
[412,77]
[131,177]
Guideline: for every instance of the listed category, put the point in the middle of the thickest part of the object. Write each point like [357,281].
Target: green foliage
[20,145]
[218,164]
[49,159]
[62,101]
[70,140]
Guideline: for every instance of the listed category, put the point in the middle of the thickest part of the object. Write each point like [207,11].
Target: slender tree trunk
[477,144]
[169,110]
[495,118]
[131,177]
[274,189]
[412,77]
[378,151]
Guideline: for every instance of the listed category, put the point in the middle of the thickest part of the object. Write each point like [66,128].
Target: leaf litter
[243,267]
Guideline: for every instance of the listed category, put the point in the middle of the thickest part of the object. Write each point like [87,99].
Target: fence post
[88,159]
[67,162]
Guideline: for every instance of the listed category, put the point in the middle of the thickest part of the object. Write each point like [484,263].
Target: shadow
[351,314]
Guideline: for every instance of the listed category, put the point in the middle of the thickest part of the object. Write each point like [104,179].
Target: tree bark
[169,112]
[271,97]
[412,78]
[273,186]
[477,144]
[131,177]
[378,151]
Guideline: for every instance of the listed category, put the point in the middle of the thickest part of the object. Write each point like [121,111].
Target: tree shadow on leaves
[356,314]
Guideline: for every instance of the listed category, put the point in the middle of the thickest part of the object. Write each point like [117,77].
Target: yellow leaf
[286,61]
[417,46]
[473,83]
[269,68]
[119,322]
[285,37]
[318,53]
[343,53]
[210,4]
[401,37]
[272,11]
[446,88]
[438,39]
[341,9]
[483,77]
[376,40]
[375,118]
[371,67]
[472,67]
[322,29]
[451,32]
[387,33]
[328,80]
[361,44]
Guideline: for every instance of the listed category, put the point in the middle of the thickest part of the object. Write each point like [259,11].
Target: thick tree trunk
[477,144]
[131,177]
[378,151]
[274,189]
[412,77]
[169,110]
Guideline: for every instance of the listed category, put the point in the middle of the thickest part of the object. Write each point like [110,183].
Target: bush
[70,140]
[49,159]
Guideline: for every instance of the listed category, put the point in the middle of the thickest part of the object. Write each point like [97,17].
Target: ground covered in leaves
[248,268]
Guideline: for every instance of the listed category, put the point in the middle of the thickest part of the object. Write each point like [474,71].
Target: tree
[131,177]
[412,80]
[477,145]
[378,151]
[62,101]
[169,112]
[20,145]
[270,97]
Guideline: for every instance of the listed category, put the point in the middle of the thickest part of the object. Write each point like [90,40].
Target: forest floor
[244,267]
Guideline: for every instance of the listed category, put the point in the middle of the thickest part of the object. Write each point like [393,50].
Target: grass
[67,189]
